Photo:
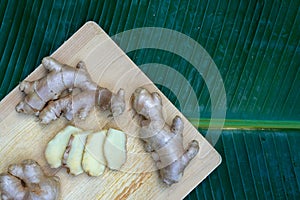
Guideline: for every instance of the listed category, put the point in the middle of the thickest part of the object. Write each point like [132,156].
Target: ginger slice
[57,146]
[115,149]
[93,162]
[83,151]
[73,157]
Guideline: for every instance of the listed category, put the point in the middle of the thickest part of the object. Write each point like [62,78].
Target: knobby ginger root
[28,181]
[163,141]
[43,97]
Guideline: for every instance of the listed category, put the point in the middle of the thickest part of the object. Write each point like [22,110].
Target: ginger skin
[43,97]
[163,141]
[28,181]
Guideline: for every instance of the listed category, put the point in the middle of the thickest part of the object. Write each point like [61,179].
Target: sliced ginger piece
[57,146]
[73,155]
[115,149]
[93,162]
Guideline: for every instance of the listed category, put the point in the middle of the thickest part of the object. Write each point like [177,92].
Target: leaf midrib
[244,124]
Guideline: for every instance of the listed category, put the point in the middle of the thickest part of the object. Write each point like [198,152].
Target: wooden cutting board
[22,136]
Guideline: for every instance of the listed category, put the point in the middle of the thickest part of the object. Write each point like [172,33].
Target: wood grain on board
[22,136]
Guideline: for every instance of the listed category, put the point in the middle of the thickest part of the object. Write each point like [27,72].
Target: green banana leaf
[254,44]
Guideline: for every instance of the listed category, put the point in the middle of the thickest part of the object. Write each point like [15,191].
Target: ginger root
[163,141]
[28,181]
[43,97]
